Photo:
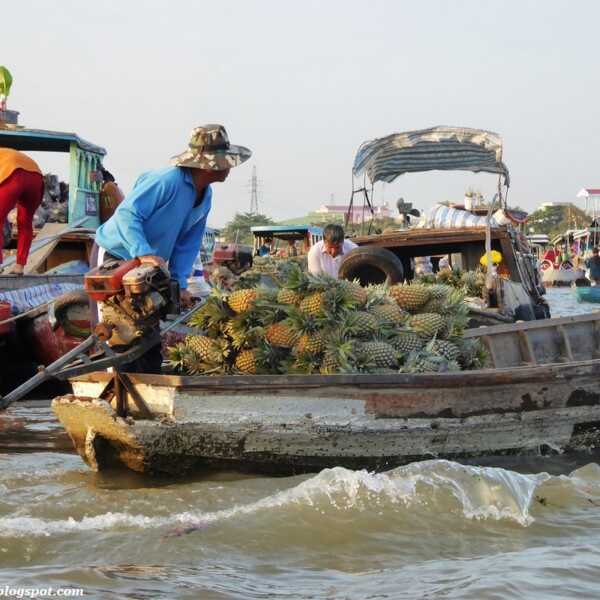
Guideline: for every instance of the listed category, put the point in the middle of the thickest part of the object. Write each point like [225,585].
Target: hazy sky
[304,83]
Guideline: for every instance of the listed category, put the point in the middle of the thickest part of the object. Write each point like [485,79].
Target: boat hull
[588,294]
[286,424]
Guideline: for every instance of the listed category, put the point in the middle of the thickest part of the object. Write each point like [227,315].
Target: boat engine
[133,298]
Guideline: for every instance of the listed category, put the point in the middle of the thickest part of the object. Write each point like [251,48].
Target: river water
[436,529]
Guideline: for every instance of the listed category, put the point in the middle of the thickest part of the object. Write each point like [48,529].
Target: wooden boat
[541,392]
[587,294]
[463,237]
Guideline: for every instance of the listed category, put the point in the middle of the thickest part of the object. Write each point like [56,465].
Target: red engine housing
[107,280]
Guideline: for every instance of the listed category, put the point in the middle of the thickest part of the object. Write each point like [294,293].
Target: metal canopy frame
[440,148]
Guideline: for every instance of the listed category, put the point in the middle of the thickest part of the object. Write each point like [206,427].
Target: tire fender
[371,264]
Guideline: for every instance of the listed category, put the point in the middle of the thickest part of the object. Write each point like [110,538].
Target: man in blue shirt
[162,220]
[164,217]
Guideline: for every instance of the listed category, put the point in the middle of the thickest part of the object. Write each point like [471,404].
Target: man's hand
[155,261]
[185,298]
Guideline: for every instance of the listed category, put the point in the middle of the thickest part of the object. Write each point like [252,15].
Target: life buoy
[546,264]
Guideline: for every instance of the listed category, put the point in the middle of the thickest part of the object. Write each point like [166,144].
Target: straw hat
[209,149]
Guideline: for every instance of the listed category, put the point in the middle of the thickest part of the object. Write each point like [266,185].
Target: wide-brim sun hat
[209,149]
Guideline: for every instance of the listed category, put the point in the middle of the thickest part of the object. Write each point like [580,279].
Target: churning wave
[435,486]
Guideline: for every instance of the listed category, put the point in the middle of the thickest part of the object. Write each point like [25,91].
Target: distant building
[356,216]
[592,200]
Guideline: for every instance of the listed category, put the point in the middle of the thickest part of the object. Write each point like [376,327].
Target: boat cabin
[85,181]
[279,240]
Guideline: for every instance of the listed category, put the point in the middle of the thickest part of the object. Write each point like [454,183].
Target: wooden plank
[38,257]
[527,325]
[526,348]
[566,342]
[466,379]
[489,344]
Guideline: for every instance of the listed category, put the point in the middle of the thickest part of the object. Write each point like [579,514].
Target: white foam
[440,486]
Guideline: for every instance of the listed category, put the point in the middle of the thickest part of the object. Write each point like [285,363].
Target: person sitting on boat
[265,248]
[326,256]
[593,264]
[21,185]
[162,220]
[110,195]
[292,251]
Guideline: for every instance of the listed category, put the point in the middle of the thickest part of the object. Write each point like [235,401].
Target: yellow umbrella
[496,258]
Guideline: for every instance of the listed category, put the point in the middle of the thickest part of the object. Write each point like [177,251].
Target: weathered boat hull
[283,424]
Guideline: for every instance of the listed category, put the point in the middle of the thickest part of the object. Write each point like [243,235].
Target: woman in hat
[162,220]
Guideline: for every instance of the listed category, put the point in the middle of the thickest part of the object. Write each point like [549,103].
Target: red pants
[24,190]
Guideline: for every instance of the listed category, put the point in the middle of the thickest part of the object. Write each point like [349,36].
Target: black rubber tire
[371,264]
[60,306]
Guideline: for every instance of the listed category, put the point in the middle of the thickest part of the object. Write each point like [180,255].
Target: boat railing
[532,343]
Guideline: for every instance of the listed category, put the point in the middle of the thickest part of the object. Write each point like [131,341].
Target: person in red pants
[21,185]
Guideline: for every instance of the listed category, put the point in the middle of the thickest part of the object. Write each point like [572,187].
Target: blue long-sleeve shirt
[159,217]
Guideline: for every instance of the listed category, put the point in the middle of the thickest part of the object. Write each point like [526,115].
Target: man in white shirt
[326,256]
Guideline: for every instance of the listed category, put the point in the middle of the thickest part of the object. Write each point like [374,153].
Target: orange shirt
[11,160]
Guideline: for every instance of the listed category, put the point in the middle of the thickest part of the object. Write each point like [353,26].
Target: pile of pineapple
[471,283]
[304,324]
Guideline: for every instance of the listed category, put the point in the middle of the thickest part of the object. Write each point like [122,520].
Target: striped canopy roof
[439,148]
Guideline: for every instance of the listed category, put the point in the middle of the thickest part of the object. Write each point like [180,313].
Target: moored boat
[587,294]
[541,392]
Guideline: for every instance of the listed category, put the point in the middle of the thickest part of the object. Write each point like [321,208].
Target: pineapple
[361,324]
[356,292]
[409,297]
[339,354]
[313,304]
[295,283]
[310,343]
[207,349]
[381,354]
[434,305]
[407,341]
[426,324]
[287,296]
[243,330]
[264,358]
[242,300]
[245,361]
[439,291]
[473,283]
[327,298]
[424,362]
[446,349]
[389,314]
[180,357]
[281,335]
[211,315]
[473,354]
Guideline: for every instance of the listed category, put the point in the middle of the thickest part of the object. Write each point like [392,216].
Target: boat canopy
[21,138]
[286,230]
[435,149]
